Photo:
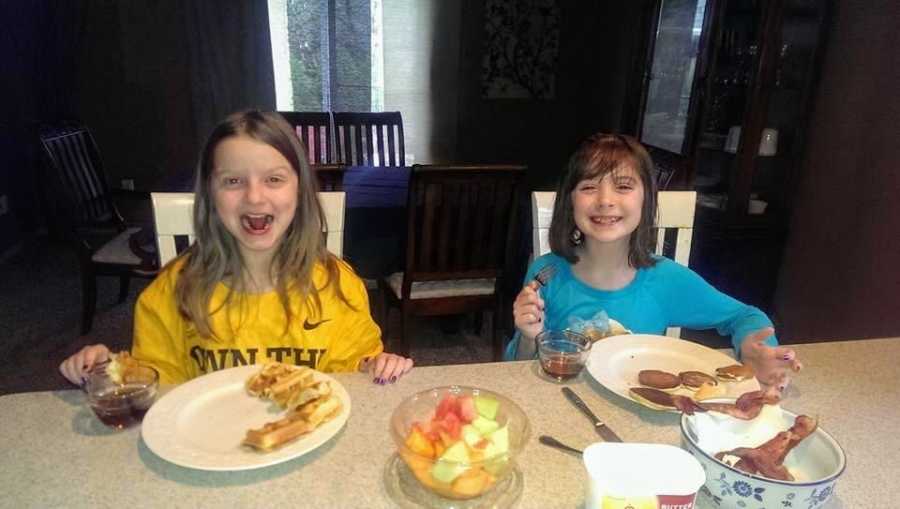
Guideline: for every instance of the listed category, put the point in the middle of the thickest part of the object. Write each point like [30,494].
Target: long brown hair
[215,257]
[598,156]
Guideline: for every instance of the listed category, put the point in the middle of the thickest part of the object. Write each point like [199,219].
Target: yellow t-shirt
[250,329]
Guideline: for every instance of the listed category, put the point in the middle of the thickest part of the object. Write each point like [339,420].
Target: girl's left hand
[387,367]
[773,365]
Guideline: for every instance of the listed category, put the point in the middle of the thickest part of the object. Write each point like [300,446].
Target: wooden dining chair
[675,213]
[315,130]
[329,176]
[369,139]
[459,233]
[83,211]
[173,217]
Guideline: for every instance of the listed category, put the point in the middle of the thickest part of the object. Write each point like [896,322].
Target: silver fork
[545,275]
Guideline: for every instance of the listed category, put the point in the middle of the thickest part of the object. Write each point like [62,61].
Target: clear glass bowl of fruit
[459,442]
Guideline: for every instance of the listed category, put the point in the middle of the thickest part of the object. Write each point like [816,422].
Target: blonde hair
[215,255]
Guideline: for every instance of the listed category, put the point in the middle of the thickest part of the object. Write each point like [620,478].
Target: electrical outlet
[128,184]
[4,205]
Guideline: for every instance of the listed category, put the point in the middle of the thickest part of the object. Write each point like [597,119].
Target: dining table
[55,453]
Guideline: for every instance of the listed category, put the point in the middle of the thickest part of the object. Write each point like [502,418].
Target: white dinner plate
[201,423]
[616,361]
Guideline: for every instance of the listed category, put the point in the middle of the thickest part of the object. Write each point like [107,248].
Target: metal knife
[600,427]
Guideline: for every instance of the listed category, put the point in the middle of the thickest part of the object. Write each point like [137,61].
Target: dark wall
[841,272]
[38,45]
[135,89]
[597,43]
[150,79]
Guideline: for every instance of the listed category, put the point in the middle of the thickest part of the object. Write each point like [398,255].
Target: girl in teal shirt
[601,238]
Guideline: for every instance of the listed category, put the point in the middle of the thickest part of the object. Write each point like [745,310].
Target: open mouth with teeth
[605,220]
[257,224]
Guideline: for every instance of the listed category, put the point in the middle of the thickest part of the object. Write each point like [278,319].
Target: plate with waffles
[246,417]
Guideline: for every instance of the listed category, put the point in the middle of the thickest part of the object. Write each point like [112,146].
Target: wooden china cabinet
[724,96]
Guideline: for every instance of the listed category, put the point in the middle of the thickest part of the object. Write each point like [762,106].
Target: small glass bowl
[562,354]
[478,476]
[122,405]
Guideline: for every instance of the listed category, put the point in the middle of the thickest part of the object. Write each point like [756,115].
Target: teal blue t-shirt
[667,294]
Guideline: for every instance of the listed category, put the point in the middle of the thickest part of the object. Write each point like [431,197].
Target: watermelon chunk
[467,412]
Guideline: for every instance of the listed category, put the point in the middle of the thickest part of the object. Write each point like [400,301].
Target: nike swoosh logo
[311,326]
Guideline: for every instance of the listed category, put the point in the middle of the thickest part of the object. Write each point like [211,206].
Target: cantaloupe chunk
[419,443]
[472,483]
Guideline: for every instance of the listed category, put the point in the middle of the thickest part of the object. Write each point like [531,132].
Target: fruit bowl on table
[816,463]
[459,442]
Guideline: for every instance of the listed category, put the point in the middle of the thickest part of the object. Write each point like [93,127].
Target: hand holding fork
[528,308]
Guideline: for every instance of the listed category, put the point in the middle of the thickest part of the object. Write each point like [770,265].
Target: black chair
[369,139]
[316,132]
[459,239]
[87,217]
[329,176]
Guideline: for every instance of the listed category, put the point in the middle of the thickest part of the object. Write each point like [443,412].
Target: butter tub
[641,476]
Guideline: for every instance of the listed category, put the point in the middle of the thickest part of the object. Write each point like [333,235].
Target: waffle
[295,424]
[122,368]
[309,402]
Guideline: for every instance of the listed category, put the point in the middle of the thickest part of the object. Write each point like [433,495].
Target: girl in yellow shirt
[258,283]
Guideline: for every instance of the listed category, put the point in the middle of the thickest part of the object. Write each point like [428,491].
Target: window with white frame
[327,54]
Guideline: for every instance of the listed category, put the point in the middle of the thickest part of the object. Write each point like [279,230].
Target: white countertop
[55,453]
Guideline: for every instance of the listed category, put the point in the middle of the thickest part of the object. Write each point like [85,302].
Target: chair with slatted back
[173,217]
[84,212]
[316,132]
[369,139]
[329,176]
[675,213]
[460,229]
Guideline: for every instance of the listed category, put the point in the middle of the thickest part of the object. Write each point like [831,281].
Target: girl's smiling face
[607,208]
[255,194]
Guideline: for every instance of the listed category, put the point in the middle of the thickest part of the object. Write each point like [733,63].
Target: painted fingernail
[393,379]
[788,356]
[375,380]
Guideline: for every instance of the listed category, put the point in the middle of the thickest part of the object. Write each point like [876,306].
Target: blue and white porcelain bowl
[816,463]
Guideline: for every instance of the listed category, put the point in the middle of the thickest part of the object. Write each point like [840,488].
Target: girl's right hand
[76,367]
[528,311]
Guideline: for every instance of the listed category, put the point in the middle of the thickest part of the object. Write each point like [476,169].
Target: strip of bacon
[768,459]
[664,399]
[747,407]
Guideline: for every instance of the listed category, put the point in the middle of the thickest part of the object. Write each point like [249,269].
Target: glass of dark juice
[122,404]
[562,354]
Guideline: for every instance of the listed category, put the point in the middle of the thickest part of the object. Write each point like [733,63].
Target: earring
[576,236]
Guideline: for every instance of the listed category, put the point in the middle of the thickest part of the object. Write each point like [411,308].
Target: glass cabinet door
[780,144]
[669,93]
[753,120]
[735,61]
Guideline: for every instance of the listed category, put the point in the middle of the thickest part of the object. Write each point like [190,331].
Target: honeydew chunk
[484,425]
[453,463]
[487,407]
[500,439]
[471,435]
[496,452]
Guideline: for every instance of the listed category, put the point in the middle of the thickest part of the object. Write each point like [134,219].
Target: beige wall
[841,272]
[421,66]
